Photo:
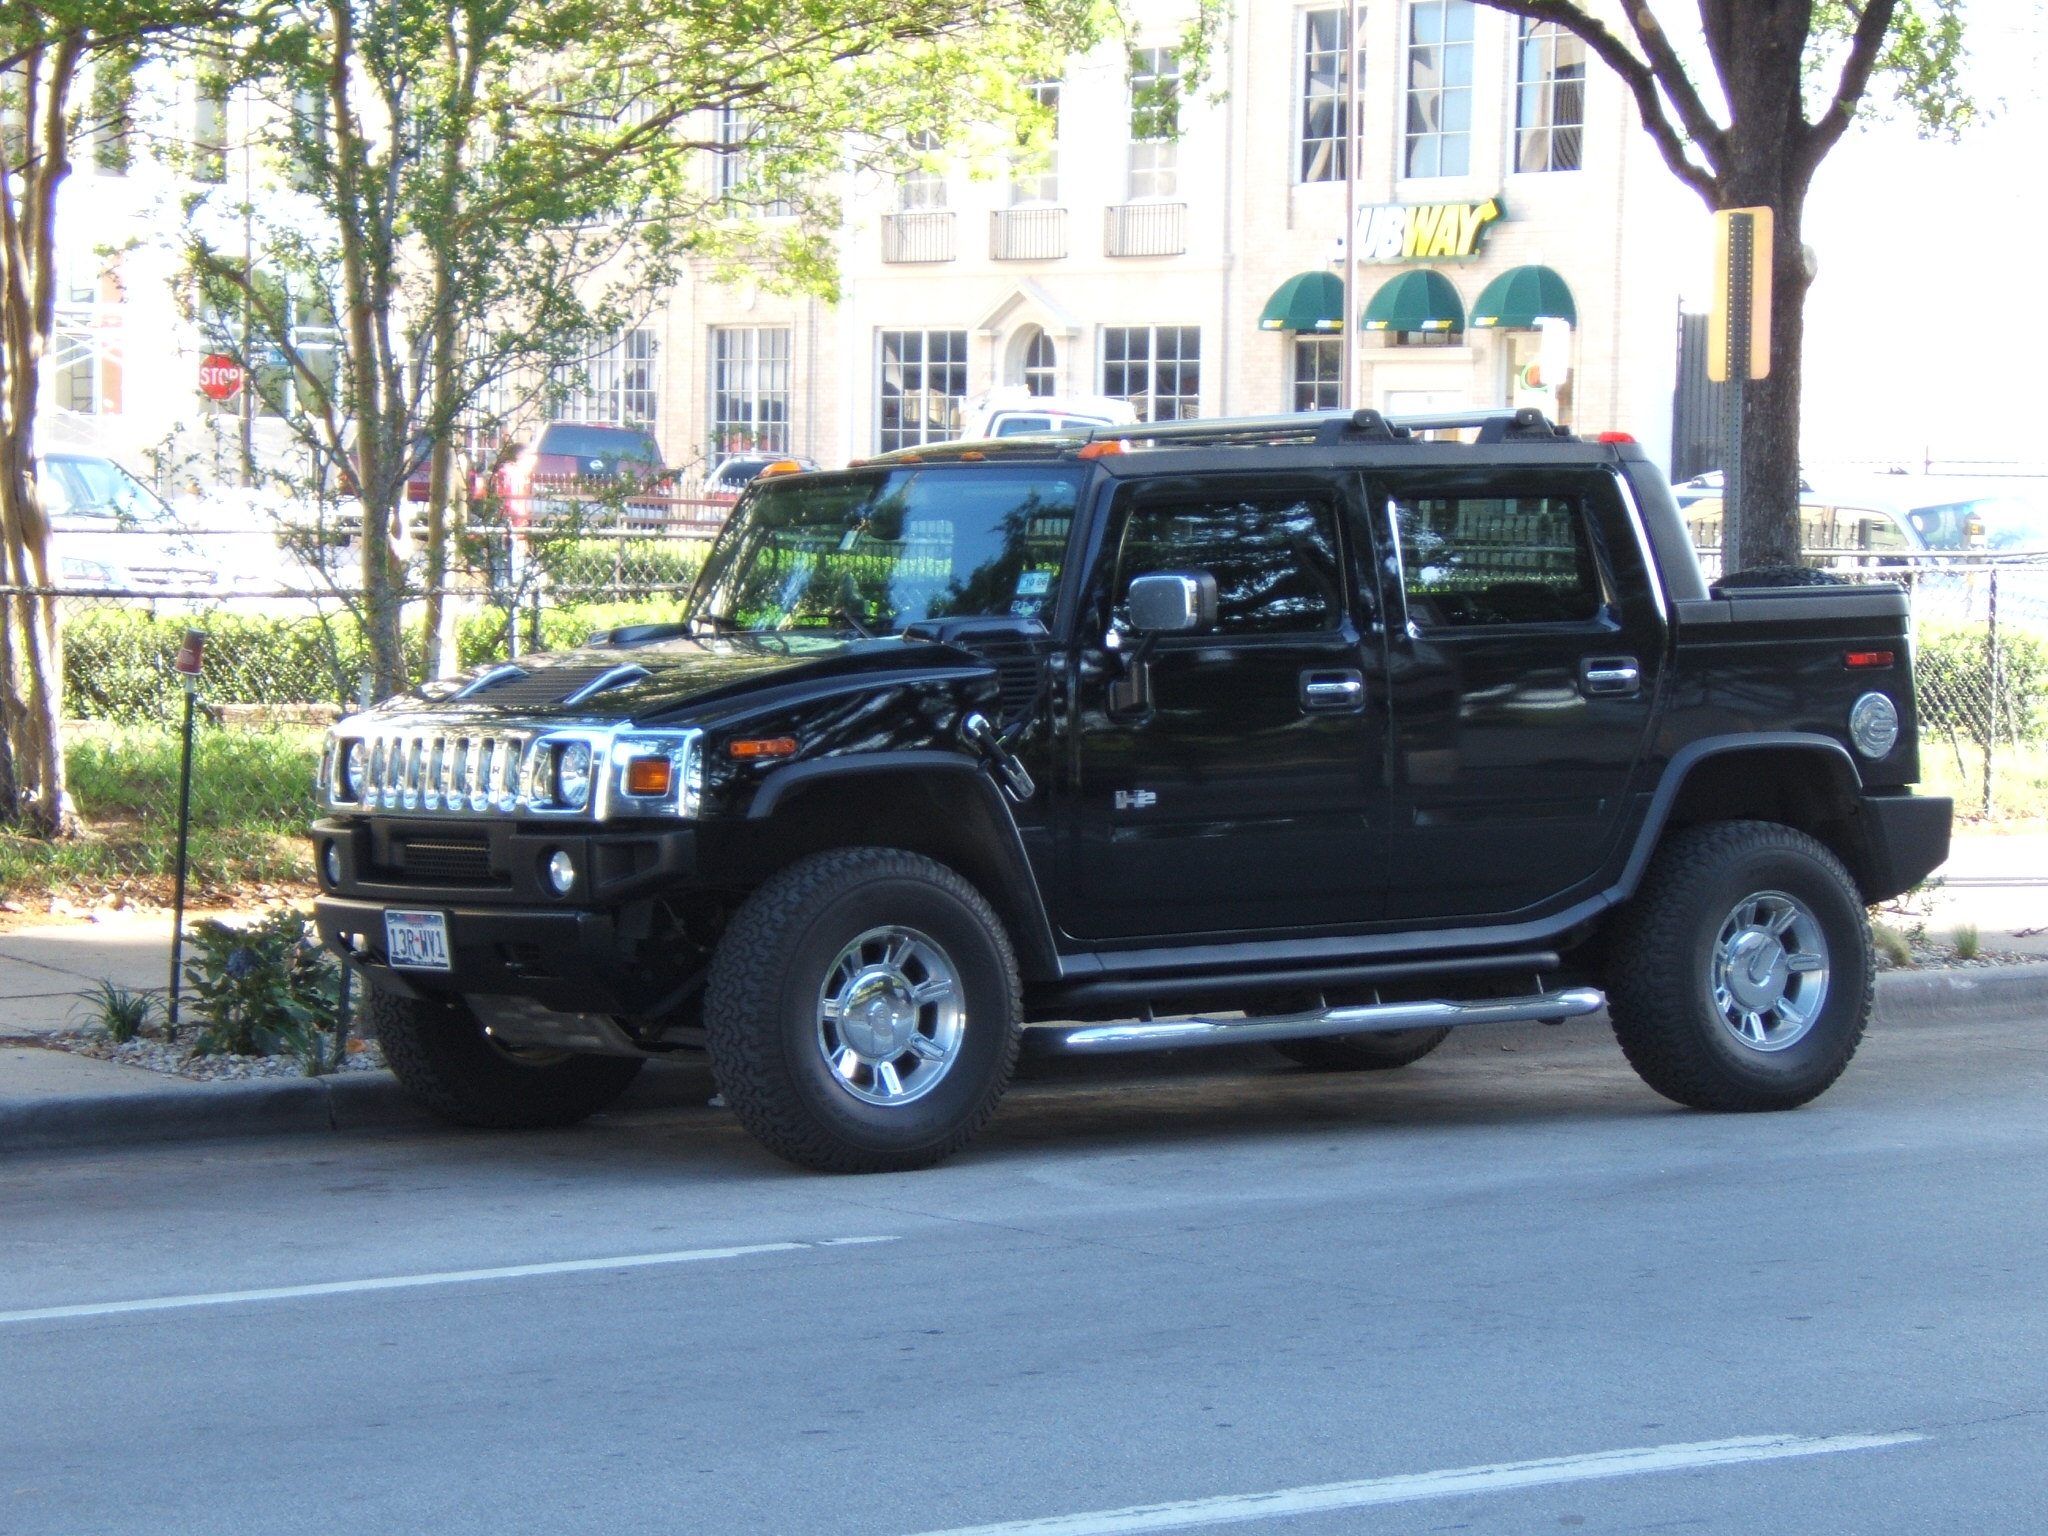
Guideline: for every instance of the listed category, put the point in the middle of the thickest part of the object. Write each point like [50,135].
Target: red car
[572,461]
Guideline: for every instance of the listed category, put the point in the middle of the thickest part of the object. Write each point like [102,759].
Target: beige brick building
[1502,179]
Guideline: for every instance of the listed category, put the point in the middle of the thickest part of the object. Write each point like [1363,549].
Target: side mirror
[1172,603]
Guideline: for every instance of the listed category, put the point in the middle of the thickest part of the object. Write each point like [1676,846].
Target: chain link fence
[286,655]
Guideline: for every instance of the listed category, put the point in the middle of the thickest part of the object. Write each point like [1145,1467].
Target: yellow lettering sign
[1425,231]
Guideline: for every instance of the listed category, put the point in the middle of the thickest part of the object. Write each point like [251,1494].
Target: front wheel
[1741,975]
[444,1059]
[862,1012]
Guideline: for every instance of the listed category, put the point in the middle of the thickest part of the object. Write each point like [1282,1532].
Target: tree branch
[1864,47]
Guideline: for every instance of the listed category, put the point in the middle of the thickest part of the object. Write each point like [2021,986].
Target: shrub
[1952,673]
[264,990]
[121,1012]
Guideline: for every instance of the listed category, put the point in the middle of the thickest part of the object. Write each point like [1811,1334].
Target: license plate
[417,941]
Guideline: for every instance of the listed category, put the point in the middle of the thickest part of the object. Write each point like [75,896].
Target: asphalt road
[1182,1282]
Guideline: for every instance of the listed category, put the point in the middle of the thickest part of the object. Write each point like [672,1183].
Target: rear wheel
[1741,975]
[442,1057]
[862,1012]
[1363,1053]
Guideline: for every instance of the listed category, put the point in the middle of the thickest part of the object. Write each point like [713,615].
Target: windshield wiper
[845,616]
[724,623]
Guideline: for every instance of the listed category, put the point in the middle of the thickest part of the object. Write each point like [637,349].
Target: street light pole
[1347,332]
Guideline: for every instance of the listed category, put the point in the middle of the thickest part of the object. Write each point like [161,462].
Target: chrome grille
[449,771]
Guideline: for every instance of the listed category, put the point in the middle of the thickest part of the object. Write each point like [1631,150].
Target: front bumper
[510,859]
[570,961]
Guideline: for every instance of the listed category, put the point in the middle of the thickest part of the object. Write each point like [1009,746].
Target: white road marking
[405,1282]
[1410,1487]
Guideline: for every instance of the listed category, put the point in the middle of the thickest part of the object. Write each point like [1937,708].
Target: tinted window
[598,442]
[1274,557]
[1483,560]
[1010,426]
[890,547]
[98,488]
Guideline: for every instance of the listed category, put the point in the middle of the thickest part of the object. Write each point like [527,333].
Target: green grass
[252,799]
[2019,778]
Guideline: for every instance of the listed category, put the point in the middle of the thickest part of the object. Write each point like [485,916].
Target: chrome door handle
[1332,690]
[1610,674]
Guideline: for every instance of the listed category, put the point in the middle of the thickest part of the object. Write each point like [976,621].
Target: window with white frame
[737,165]
[615,386]
[750,388]
[1041,365]
[924,186]
[1439,126]
[921,385]
[1155,123]
[1550,98]
[1318,373]
[1158,368]
[1325,94]
[1037,180]
[85,365]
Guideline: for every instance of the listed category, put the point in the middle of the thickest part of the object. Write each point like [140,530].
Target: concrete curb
[371,1101]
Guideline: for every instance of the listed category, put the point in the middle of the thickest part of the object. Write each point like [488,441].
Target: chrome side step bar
[1369,1018]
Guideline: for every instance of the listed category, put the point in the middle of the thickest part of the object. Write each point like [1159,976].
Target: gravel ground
[177,1060]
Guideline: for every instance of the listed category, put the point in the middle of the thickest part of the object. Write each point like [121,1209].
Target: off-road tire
[443,1059]
[1659,974]
[1364,1052]
[762,997]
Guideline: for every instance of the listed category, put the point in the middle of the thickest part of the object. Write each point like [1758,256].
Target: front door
[1522,683]
[1228,781]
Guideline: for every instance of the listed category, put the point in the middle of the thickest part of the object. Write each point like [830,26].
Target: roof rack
[1333,428]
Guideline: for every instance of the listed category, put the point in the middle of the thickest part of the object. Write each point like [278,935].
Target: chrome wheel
[890,1016]
[1770,971]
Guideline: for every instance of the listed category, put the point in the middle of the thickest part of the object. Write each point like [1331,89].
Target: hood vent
[617,677]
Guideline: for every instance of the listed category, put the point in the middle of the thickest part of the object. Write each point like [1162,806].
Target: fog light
[1874,725]
[330,863]
[561,872]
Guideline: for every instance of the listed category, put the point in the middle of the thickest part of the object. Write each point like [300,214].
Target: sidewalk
[51,1097]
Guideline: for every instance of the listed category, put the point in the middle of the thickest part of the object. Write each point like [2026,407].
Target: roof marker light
[1615,437]
[781,467]
[1104,448]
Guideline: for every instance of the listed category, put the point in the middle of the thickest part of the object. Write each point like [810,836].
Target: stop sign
[220,378]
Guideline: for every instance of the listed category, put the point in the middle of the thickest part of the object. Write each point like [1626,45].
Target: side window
[1471,561]
[1274,557]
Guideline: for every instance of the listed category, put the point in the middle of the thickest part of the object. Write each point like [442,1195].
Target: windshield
[873,551]
[1983,522]
[98,488]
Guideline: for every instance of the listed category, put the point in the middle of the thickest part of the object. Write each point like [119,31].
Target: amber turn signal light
[649,776]
[753,749]
[782,467]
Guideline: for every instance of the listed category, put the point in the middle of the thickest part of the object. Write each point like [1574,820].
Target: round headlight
[561,872]
[1874,725]
[572,776]
[354,760]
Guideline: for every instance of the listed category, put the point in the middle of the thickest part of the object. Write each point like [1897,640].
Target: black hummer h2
[1302,730]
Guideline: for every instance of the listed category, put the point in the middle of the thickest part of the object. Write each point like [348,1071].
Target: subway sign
[1425,231]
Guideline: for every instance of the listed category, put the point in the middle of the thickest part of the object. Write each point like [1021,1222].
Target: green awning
[1521,296]
[1307,301]
[1419,300]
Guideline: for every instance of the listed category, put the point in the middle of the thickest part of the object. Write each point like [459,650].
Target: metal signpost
[1738,346]
[191,655]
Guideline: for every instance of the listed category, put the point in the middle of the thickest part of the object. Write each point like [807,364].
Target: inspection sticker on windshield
[417,941]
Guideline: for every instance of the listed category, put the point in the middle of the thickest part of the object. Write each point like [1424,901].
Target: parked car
[1296,731]
[1834,530]
[1011,412]
[574,463]
[737,471]
[111,532]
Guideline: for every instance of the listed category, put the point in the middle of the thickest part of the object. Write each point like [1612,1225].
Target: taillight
[1860,661]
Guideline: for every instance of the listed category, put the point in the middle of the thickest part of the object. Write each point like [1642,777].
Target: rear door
[1522,683]
[1231,781]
